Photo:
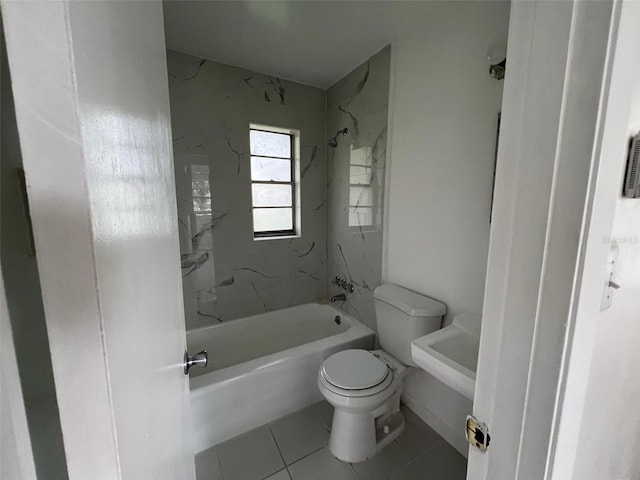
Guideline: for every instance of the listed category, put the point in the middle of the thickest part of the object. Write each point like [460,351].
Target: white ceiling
[312,42]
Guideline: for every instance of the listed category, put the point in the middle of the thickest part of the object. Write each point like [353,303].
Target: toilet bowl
[364,387]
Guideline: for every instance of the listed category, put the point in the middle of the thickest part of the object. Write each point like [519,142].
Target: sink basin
[451,353]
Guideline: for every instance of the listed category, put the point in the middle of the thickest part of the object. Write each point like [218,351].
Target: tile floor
[295,448]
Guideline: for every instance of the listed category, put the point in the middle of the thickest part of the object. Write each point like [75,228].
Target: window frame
[293,183]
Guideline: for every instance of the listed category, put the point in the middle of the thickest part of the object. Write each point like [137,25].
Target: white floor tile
[252,456]
[386,463]
[442,462]
[321,465]
[281,475]
[207,465]
[418,453]
[299,434]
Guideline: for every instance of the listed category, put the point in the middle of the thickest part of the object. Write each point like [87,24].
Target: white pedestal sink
[451,353]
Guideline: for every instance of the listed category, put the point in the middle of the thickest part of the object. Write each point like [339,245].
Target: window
[273,181]
[362,192]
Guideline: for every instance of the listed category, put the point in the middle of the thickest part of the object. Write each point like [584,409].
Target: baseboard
[452,437]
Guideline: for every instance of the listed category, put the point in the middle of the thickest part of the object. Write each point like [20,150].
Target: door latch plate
[477,434]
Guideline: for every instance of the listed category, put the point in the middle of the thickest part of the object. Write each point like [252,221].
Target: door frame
[546,243]
[614,133]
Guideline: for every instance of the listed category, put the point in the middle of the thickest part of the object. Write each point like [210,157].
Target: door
[552,152]
[90,89]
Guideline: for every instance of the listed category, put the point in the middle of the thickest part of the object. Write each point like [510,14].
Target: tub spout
[342,297]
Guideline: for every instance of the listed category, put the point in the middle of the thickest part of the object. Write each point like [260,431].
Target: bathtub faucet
[342,297]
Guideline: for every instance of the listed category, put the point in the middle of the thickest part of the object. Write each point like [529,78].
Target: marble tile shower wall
[226,273]
[356,181]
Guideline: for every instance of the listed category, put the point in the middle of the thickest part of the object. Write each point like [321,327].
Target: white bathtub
[264,367]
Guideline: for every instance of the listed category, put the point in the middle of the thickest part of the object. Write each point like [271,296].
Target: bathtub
[264,367]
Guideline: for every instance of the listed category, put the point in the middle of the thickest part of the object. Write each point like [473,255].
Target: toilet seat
[355,373]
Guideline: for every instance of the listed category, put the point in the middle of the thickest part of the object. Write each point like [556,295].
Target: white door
[555,143]
[91,96]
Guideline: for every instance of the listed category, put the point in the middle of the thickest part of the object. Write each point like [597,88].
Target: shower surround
[356,182]
[226,273]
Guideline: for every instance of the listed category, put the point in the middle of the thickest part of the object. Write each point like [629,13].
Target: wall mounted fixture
[497,56]
[497,70]
[333,141]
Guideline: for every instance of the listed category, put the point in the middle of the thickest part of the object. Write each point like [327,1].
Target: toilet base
[356,437]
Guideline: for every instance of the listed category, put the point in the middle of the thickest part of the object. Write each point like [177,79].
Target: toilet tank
[402,316]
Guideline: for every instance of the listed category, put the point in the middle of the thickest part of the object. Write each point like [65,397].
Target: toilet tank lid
[409,302]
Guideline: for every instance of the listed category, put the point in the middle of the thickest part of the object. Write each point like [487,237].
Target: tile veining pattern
[295,448]
[356,180]
[226,274]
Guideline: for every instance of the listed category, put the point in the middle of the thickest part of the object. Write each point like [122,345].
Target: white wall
[611,411]
[611,419]
[444,107]
[443,111]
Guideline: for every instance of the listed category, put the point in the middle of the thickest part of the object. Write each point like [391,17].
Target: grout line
[320,418]
[440,442]
[277,471]
[275,440]
[310,453]
[355,471]
[324,425]
[219,465]
[424,452]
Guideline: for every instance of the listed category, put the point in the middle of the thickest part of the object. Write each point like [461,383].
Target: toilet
[364,386]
